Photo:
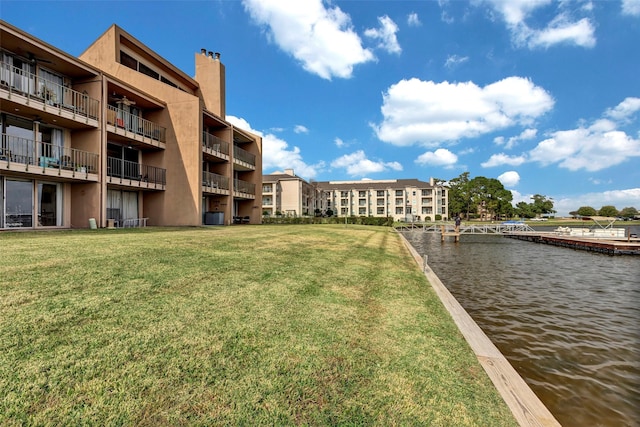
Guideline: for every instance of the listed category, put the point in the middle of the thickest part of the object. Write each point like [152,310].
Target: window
[128,61]
[362,202]
[131,62]
[122,205]
[399,201]
[380,211]
[362,211]
[399,193]
[380,193]
[267,188]
[19,203]
[399,211]
[362,194]
[426,192]
[344,194]
[380,202]
[148,71]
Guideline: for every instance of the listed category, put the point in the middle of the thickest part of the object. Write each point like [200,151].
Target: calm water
[568,321]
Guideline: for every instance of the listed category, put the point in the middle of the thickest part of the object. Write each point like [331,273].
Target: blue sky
[542,95]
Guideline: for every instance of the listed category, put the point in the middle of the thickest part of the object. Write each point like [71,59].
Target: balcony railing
[241,186]
[26,151]
[136,124]
[215,181]
[21,82]
[215,144]
[125,169]
[244,156]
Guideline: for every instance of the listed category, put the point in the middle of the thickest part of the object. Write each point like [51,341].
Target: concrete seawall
[526,407]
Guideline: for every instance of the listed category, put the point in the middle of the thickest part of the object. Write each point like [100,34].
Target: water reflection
[568,321]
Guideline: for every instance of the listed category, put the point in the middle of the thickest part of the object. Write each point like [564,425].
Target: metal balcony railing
[136,124]
[244,156]
[214,143]
[125,169]
[21,82]
[244,187]
[215,181]
[29,152]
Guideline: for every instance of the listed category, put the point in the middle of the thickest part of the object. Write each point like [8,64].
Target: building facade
[285,193]
[402,199]
[119,136]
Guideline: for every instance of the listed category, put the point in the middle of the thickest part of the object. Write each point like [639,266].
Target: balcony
[244,159]
[32,90]
[135,127]
[244,189]
[133,174]
[214,183]
[215,146]
[25,155]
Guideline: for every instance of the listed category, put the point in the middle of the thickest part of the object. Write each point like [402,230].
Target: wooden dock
[626,246]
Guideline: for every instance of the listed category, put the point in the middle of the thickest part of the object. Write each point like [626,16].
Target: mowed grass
[247,325]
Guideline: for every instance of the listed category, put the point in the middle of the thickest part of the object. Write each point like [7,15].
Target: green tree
[629,212]
[524,210]
[586,211]
[541,205]
[491,195]
[608,210]
[460,197]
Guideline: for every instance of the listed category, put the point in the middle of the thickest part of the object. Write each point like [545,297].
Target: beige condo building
[402,199]
[119,136]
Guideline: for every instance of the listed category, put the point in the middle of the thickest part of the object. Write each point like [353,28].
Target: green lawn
[245,325]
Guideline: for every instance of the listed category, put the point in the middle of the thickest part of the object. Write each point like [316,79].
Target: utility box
[214,218]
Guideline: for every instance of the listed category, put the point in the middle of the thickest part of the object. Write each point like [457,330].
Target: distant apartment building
[403,199]
[285,193]
[119,136]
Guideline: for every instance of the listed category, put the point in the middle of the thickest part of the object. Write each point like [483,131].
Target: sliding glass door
[20,209]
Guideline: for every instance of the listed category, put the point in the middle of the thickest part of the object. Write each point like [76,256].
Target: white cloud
[561,29]
[625,110]
[590,148]
[631,7]
[413,20]
[357,164]
[429,113]
[277,154]
[509,179]
[502,159]
[321,38]
[514,140]
[339,142]
[454,60]
[300,129]
[580,33]
[386,34]
[440,157]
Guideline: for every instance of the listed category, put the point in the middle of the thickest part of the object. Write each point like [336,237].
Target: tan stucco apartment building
[119,136]
[287,194]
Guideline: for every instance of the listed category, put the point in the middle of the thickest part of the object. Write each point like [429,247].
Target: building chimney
[210,76]
[289,172]
[203,51]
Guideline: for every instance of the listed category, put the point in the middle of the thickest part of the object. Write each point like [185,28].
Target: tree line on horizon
[471,197]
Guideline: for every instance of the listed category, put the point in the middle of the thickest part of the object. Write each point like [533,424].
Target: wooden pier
[626,246]
[521,231]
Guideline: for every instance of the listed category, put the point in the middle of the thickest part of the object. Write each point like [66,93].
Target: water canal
[568,321]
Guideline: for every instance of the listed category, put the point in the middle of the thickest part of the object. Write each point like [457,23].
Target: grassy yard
[246,325]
